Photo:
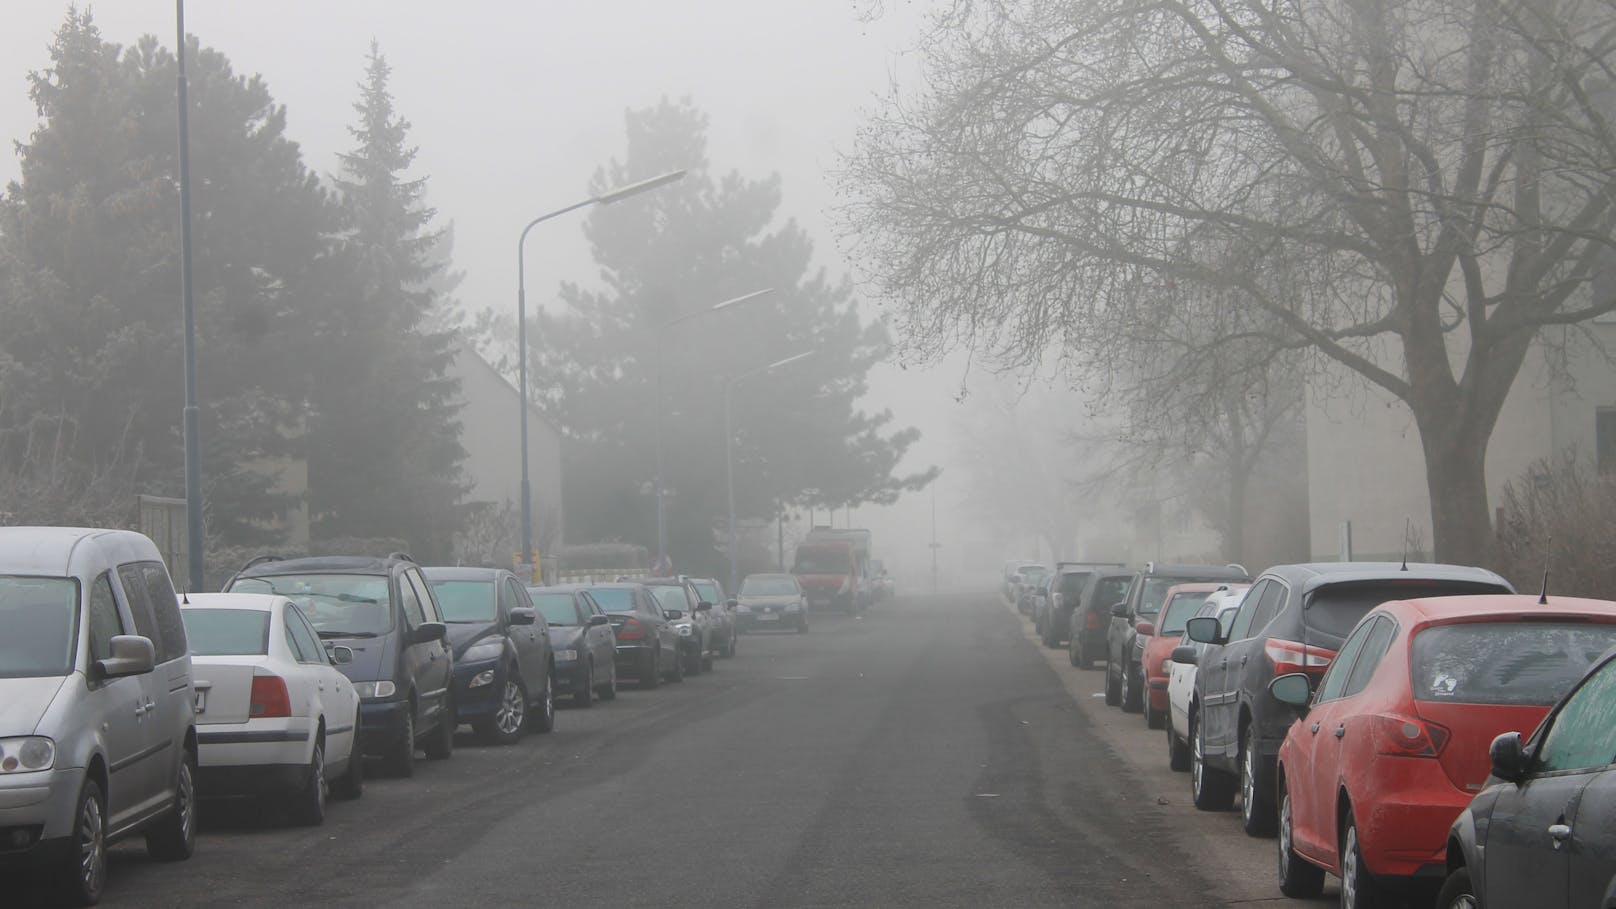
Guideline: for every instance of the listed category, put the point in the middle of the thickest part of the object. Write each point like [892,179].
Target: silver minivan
[97,721]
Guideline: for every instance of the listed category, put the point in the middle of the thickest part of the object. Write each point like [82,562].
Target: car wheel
[308,804]
[83,871]
[400,759]
[1113,688]
[1131,701]
[509,720]
[677,674]
[1178,751]
[608,691]
[174,837]
[1074,652]
[1256,807]
[651,670]
[1457,892]
[693,662]
[707,661]
[351,785]
[1358,888]
[1211,789]
[440,746]
[585,695]
[1298,878]
[544,720]
[802,624]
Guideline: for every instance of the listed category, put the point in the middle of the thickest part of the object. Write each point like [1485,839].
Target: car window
[1248,608]
[1583,733]
[337,605]
[39,619]
[423,593]
[1333,610]
[411,601]
[226,632]
[1180,608]
[134,589]
[1374,650]
[1335,678]
[308,643]
[517,596]
[1273,599]
[104,619]
[1505,662]
[165,609]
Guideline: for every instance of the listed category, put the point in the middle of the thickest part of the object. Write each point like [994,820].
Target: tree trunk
[1234,528]
[1456,475]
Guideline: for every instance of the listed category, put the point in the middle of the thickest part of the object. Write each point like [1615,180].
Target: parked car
[504,671]
[582,641]
[97,726]
[1091,616]
[1393,745]
[886,587]
[1540,833]
[274,715]
[1012,572]
[384,611]
[1293,619]
[689,614]
[1124,673]
[1222,605]
[1038,594]
[647,643]
[772,601]
[722,613]
[1052,615]
[1160,636]
[1028,579]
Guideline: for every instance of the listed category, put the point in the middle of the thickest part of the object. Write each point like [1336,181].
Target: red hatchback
[1161,636]
[1395,741]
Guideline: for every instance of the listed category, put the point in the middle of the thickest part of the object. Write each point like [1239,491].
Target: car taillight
[269,697]
[630,630]
[1289,657]
[1406,736]
[1093,621]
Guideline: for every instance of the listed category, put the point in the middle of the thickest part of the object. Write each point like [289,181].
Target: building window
[1605,439]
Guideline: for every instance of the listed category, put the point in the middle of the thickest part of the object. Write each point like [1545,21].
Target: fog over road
[921,755]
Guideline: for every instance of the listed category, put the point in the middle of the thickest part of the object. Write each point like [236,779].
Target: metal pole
[661,509]
[521,380]
[729,483]
[780,545]
[192,413]
[934,543]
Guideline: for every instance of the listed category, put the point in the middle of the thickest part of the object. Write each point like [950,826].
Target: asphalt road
[924,754]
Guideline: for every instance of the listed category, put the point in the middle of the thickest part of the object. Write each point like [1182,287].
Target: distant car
[1090,617]
[1028,579]
[1012,570]
[1221,605]
[647,643]
[1124,663]
[384,611]
[725,625]
[274,716]
[772,601]
[1540,833]
[1052,618]
[504,670]
[884,587]
[97,726]
[1293,619]
[1393,745]
[1160,636]
[689,614]
[583,643]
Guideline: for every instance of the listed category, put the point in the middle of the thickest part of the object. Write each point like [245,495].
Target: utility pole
[934,544]
[192,413]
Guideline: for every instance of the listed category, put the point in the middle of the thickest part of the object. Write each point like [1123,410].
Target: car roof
[1313,575]
[1164,570]
[464,573]
[1497,606]
[49,551]
[1196,587]
[560,588]
[260,602]
[663,582]
[770,575]
[609,585]
[323,565]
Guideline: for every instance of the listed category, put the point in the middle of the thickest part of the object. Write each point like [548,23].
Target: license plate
[768,618]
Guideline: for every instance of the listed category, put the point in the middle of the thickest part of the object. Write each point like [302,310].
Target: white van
[97,726]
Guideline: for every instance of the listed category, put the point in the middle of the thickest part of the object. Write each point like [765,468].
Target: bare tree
[1411,188]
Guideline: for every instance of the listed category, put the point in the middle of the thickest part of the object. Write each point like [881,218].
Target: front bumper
[380,725]
[42,803]
[473,703]
[759,620]
[572,677]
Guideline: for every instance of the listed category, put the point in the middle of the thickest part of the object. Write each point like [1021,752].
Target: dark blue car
[504,674]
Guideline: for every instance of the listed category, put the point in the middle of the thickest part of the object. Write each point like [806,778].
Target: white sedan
[274,716]
[1222,603]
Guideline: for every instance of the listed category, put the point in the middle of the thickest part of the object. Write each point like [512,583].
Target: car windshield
[1179,609]
[1333,610]
[708,592]
[226,632]
[338,605]
[768,587]
[466,602]
[611,599]
[557,608]
[1155,592]
[38,626]
[671,597]
[1110,591]
[821,563]
[1530,663]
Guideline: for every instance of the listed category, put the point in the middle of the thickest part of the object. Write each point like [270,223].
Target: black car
[1293,619]
[691,617]
[383,610]
[1090,617]
[1147,592]
[1540,833]
[504,672]
[1052,615]
[582,641]
[647,643]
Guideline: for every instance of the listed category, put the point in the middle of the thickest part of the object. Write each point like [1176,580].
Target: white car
[273,713]
[1222,603]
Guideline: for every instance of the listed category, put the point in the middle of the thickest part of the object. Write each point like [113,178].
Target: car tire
[1113,688]
[1358,888]
[1154,719]
[1257,814]
[802,623]
[1130,697]
[728,650]
[351,785]
[585,695]
[651,670]
[1457,891]
[510,716]
[544,719]
[707,661]
[677,673]
[608,691]
[1178,751]
[440,745]
[400,758]
[174,837]
[1298,878]
[692,660]
[1211,789]
[82,874]
[308,803]
[1074,653]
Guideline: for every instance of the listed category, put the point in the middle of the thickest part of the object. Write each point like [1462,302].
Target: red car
[1395,741]
[1161,636]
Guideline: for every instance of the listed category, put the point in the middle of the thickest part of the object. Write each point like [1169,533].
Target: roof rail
[401,555]
[1237,567]
[1150,568]
[258,560]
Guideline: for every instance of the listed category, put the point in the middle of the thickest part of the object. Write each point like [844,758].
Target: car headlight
[566,655]
[482,679]
[487,650]
[382,689]
[27,754]
[793,607]
[686,630]
[847,584]
[1167,667]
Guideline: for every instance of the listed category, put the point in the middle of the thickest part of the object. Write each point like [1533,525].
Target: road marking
[791,678]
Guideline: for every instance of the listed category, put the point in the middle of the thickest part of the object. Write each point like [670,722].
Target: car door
[1592,849]
[600,641]
[116,706]
[1243,680]
[525,638]
[148,767]
[331,691]
[1219,684]
[427,662]
[1315,755]
[1530,837]
[666,633]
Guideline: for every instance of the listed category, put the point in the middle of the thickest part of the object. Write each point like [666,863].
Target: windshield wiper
[347,634]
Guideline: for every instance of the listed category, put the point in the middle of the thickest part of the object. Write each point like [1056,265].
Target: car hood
[566,637]
[462,635]
[783,600]
[23,703]
[821,581]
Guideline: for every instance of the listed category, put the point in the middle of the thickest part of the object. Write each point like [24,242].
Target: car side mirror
[132,654]
[1509,757]
[1119,610]
[595,621]
[341,655]
[704,606]
[427,632]
[731,603]
[1145,629]
[1184,654]
[1294,689]
[674,614]
[522,615]
[1203,630]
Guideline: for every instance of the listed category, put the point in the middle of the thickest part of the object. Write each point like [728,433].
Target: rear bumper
[1403,838]
[632,659]
[255,743]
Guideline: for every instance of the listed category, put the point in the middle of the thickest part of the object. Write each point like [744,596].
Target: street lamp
[729,457]
[661,332]
[191,415]
[606,198]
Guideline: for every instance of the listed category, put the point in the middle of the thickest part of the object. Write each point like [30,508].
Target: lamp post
[729,459]
[661,507]
[192,414]
[606,198]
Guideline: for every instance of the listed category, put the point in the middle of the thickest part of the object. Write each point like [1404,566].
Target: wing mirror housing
[1185,654]
[522,615]
[731,603]
[674,614]
[427,632]
[704,606]
[1145,629]
[341,655]
[1119,610]
[1293,689]
[132,654]
[1204,630]
[1509,757]
[595,621]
